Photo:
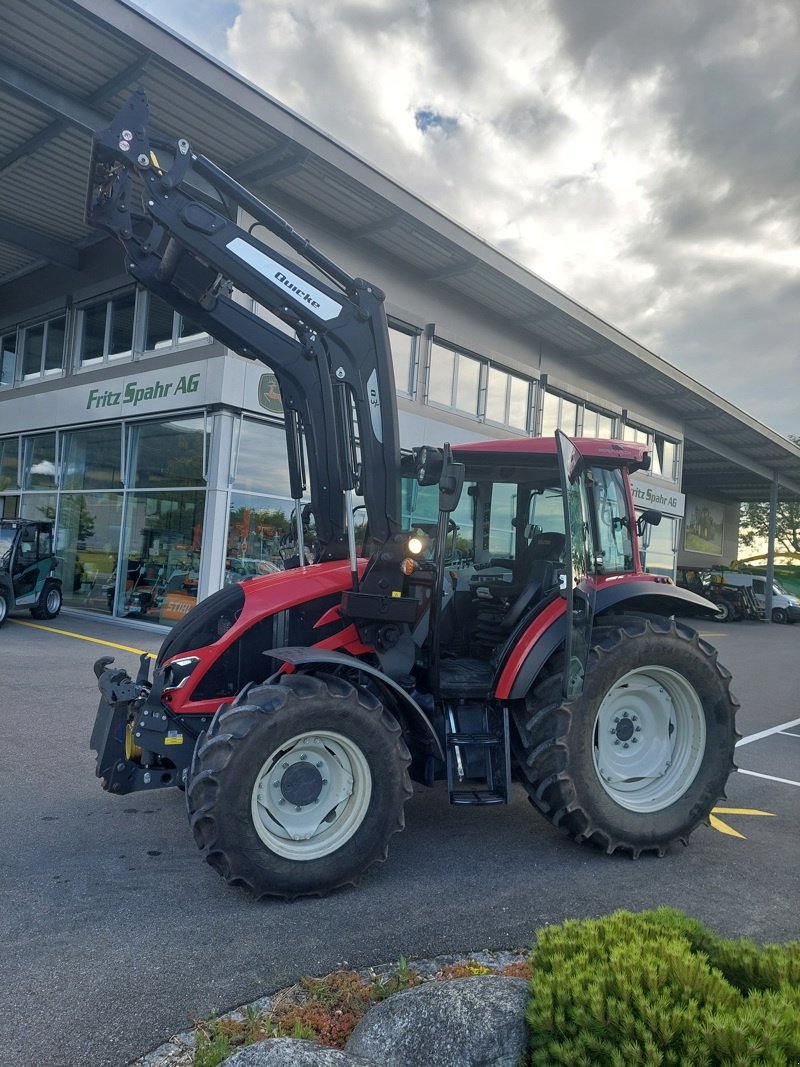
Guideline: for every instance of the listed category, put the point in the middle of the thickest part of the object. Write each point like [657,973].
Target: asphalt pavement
[114,934]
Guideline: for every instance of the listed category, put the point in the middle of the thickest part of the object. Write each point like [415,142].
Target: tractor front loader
[495,625]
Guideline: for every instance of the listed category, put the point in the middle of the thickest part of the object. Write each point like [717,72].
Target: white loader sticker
[298,288]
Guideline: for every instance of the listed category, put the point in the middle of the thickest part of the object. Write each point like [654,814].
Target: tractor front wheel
[3,607]
[638,760]
[298,789]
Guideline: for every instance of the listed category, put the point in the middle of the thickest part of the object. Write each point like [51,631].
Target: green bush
[658,989]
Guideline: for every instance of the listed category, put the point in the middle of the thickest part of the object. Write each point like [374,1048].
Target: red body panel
[267,595]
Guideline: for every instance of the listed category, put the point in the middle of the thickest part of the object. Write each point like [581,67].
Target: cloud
[641,156]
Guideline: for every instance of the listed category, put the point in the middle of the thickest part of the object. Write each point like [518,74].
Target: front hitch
[139,743]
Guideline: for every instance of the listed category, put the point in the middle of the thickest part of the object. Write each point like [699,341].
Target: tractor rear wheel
[638,760]
[49,603]
[298,789]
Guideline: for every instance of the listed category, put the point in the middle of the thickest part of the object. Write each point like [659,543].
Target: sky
[643,156]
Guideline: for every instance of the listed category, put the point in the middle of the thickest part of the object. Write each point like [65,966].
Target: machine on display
[488,623]
[26,569]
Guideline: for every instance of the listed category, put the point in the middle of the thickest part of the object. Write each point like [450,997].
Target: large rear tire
[298,789]
[639,759]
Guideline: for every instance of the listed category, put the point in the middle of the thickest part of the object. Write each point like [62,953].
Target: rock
[288,1052]
[466,1022]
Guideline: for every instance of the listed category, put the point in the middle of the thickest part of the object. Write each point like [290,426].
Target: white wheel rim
[53,601]
[3,608]
[649,739]
[311,795]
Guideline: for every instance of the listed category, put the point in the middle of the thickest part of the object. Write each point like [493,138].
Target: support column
[215,523]
[773,527]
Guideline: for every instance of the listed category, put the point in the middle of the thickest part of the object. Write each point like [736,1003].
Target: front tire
[3,607]
[638,760]
[779,615]
[298,789]
[49,604]
[724,612]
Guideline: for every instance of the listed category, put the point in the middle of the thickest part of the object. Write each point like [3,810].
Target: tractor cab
[27,564]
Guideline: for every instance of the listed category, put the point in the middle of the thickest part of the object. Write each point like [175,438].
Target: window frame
[22,378]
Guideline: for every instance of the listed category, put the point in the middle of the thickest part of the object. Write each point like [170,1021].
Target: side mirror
[647,518]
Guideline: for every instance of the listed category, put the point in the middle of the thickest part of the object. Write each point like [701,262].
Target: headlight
[177,673]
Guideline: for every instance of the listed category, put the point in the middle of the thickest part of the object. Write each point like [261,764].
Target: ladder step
[475,740]
[476,796]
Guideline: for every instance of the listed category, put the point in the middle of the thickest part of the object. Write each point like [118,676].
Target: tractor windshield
[613,547]
[6,544]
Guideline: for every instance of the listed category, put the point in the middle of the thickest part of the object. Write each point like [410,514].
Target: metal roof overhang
[67,65]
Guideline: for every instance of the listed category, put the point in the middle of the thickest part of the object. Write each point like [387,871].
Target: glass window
[42,347]
[558,413]
[38,506]
[613,526]
[507,399]
[39,467]
[665,458]
[87,542]
[404,347]
[161,555]
[164,327]
[597,423]
[468,382]
[454,380]
[8,358]
[496,395]
[158,329]
[9,452]
[91,458]
[657,547]
[168,453]
[32,348]
[441,374]
[636,434]
[519,403]
[260,530]
[105,328]
[261,463]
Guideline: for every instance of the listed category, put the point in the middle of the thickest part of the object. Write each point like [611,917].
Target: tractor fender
[304,657]
[547,631]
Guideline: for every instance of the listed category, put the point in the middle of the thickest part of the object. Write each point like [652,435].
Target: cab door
[24,570]
[578,590]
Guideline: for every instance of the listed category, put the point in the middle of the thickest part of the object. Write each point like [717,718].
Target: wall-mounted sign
[133,393]
[646,496]
[269,395]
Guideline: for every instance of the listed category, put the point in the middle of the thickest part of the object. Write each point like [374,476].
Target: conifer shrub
[658,989]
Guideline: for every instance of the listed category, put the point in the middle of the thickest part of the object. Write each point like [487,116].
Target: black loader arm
[182,245]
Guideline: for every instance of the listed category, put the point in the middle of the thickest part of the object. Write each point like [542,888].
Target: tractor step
[479,761]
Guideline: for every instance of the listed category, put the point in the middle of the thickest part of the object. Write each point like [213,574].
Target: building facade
[160,456]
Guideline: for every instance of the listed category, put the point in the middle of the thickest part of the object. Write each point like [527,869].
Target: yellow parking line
[82,637]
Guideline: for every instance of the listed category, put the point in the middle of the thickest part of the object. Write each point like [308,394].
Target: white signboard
[648,495]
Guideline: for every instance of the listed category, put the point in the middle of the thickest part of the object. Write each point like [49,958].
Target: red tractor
[493,625]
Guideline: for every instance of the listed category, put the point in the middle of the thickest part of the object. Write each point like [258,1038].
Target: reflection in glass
[168,453]
[261,531]
[161,555]
[261,464]
[9,451]
[91,458]
[87,543]
[39,470]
